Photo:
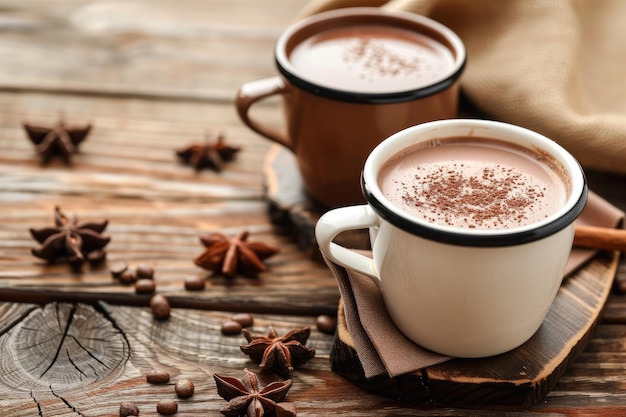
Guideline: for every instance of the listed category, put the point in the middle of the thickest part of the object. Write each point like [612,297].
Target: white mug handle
[340,220]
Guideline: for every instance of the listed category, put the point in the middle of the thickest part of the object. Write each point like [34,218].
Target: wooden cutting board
[291,208]
[514,380]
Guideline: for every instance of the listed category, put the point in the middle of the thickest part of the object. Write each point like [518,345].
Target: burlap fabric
[556,67]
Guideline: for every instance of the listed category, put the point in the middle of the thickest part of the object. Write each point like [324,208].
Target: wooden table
[152,77]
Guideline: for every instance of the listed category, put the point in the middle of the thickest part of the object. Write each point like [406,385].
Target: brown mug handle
[254,91]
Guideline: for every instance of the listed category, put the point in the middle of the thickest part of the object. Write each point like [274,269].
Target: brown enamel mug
[348,79]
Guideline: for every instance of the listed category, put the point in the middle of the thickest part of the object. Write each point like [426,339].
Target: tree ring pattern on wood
[62,345]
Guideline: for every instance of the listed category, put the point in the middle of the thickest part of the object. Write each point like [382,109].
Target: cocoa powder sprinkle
[377,60]
[494,198]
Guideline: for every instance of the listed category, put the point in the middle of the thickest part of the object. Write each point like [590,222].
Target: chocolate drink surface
[372,58]
[474,183]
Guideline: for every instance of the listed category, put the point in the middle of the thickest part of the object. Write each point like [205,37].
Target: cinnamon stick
[603,238]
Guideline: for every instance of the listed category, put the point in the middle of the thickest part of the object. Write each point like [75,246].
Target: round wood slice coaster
[290,208]
[511,381]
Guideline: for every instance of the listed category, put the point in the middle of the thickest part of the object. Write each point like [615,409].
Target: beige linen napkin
[556,67]
[382,349]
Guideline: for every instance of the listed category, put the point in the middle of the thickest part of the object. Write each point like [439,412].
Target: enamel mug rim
[373,15]
[572,208]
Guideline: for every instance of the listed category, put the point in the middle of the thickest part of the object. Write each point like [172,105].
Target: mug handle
[340,220]
[254,91]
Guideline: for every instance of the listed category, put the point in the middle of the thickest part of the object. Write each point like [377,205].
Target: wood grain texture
[156,208]
[290,208]
[516,379]
[167,239]
[194,50]
[190,346]
[153,76]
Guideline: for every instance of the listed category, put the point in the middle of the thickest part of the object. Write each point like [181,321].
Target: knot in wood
[63,345]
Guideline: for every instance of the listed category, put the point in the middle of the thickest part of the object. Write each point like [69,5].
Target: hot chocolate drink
[471,223]
[474,183]
[348,78]
[372,58]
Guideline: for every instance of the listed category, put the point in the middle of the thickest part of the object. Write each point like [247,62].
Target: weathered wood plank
[154,75]
[187,49]
[130,153]
[164,235]
[514,380]
[127,172]
[190,345]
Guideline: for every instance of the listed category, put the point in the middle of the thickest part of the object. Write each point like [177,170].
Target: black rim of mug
[370,98]
[486,240]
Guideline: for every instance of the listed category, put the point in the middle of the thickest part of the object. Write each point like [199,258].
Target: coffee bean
[117,269]
[231,327]
[184,388]
[128,277]
[245,319]
[194,283]
[160,307]
[167,407]
[128,409]
[158,376]
[145,271]
[97,257]
[145,286]
[326,324]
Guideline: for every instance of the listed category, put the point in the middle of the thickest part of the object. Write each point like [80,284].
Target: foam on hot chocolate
[372,58]
[474,183]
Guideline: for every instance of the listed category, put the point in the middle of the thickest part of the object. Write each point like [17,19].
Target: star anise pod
[70,241]
[208,155]
[59,139]
[245,399]
[229,256]
[278,354]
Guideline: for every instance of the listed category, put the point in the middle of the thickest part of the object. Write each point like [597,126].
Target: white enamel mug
[459,292]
